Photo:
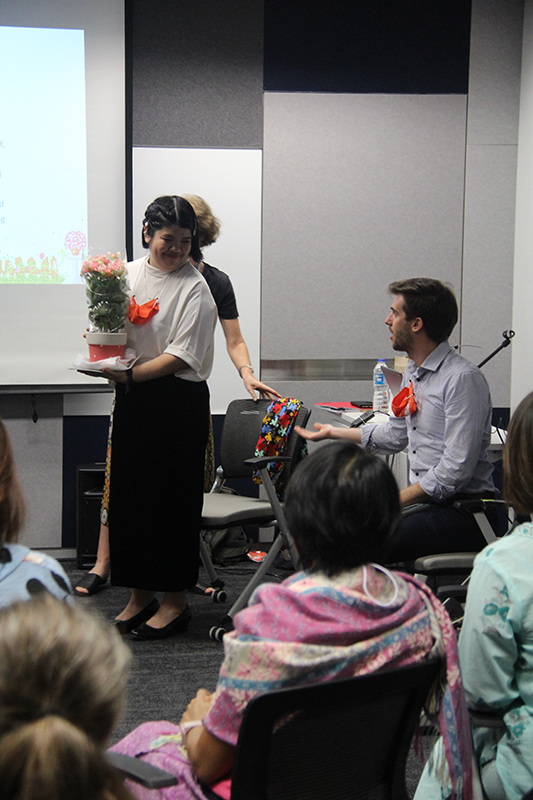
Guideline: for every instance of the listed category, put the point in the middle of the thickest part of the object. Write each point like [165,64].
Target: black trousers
[439,528]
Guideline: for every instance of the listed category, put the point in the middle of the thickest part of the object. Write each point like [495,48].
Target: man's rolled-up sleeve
[386,439]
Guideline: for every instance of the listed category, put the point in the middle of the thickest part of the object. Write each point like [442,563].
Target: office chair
[141,772]
[428,568]
[339,740]
[240,434]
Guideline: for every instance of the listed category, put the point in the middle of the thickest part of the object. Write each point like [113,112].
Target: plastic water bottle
[380,400]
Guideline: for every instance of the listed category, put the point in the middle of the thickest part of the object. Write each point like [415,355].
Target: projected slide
[43,156]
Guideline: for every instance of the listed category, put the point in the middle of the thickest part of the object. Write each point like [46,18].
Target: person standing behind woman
[160,426]
[224,297]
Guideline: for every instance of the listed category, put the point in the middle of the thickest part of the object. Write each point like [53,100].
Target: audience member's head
[11,503]
[432,301]
[518,459]
[342,507]
[62,678]
[169,210]
[208,224]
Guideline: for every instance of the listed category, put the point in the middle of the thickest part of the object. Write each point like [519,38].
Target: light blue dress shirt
[448,435]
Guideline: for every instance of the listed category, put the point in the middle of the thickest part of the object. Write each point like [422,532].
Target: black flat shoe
[126,625]
[92,582]
[178,625]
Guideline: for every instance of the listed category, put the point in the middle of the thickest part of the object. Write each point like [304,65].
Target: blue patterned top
[25,573]
[496,655]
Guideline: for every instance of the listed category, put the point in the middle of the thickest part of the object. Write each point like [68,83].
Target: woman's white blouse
[185,323]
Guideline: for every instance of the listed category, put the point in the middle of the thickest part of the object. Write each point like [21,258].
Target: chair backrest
[332,741]
[242,426]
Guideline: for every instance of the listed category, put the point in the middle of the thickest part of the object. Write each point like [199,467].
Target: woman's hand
[114,375]
[252,386]
[199,706]
[210,757]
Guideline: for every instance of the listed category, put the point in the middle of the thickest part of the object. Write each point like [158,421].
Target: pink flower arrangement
[107,296]
[111,264]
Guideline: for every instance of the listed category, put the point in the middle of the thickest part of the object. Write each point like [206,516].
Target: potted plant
[108,301]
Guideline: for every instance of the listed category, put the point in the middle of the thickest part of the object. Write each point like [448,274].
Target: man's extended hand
[321,432]
[329,432]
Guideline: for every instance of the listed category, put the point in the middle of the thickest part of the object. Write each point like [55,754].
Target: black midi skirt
[160,431]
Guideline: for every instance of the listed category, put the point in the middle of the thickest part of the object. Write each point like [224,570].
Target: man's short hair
[432,301]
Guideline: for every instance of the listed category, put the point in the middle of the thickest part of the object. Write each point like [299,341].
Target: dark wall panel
[196,72]
[382,46]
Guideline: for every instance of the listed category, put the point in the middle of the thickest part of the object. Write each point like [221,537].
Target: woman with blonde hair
[23,572]
[224,297]
[62,679]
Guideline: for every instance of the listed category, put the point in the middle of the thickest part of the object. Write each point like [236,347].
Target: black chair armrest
[141,771]
[452,590]
[262,461]
[478,505]
[413,509]
[486,719]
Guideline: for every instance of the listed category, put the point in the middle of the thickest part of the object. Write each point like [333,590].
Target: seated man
[446,429]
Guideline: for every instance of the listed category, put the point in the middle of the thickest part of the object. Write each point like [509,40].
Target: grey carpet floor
[166,674]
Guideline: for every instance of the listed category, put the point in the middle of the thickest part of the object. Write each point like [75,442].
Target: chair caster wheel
[216,634]
[219,596]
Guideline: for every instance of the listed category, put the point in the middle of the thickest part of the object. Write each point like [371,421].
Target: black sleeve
[222,292]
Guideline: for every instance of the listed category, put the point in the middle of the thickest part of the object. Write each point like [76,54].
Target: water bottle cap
[382,360]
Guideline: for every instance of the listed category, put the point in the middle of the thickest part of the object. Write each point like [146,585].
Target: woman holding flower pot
[160,426]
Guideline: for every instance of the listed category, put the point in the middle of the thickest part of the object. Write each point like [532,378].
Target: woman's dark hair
[11,502]
[343,508]
[518,459]
[171,210]
[432,301]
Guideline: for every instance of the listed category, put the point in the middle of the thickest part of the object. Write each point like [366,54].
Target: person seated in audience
[63,673]
[496,641]
[23,572]
[343,615]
